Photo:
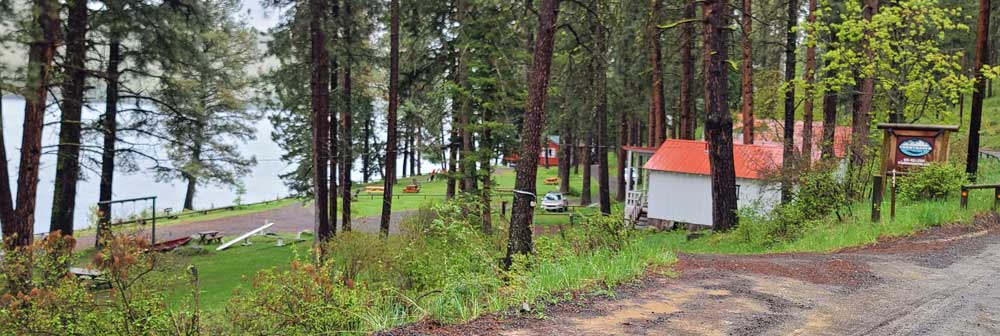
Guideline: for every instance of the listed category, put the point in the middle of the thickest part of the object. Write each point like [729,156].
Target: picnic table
[94,276]
[208,237]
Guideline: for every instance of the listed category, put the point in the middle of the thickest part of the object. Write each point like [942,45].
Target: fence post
[996,198]
[503,208]
[892,205]
[965,197]
[877,198]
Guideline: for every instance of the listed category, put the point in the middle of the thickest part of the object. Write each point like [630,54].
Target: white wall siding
[688,197]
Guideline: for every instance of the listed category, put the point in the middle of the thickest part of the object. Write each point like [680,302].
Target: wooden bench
[374,189]
[552,181]
[208,237]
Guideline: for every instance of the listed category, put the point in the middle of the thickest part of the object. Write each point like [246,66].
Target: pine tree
[718,123]
[390,152]
[520,241]
[70,140]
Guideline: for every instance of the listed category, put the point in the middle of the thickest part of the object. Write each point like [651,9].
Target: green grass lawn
[222,272]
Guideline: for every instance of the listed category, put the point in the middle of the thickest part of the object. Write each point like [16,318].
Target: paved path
[289,219]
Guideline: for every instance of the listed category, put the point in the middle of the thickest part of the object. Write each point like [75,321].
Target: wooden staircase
[636,209]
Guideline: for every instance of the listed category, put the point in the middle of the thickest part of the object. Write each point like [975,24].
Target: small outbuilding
[680,188]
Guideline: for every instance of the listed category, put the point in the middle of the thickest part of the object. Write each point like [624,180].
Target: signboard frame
[899,159]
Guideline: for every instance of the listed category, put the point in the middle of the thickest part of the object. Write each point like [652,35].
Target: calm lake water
[262,184]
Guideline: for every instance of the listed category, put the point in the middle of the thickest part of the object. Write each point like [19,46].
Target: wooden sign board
[906,146]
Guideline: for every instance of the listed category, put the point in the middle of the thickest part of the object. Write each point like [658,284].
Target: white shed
[680,188]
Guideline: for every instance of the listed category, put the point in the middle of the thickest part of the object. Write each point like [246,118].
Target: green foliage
[302,300]
[914,71]
[818,194]
[937,181]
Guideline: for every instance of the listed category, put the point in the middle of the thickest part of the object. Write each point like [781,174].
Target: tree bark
[320,100]
[829,124]
[522,212]
[565,148]
[333,152]
[110,122]
[601,99]
[366,156]
[486,147]
[976,115]
[390,156]
[747,83]
[192,186]
[658,117]
[68,156]
[346,156]
[861,123]
[810,79]
[718,123]
[788,149]
[6,200]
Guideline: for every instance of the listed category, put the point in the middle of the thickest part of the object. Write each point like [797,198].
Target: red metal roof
[771,132]
[691,157]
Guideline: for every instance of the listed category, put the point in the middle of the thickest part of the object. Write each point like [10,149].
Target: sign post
[905,147]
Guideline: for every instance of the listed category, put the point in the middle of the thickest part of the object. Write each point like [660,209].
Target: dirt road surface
[945,281]
[288,219]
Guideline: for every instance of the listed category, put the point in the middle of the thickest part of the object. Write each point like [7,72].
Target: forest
[365,96]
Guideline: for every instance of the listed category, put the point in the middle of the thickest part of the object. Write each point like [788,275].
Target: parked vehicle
[554,201]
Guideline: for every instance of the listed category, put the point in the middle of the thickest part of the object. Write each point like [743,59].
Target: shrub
[933,182]
[301,300]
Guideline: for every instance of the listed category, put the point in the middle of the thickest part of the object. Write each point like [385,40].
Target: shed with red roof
[680,188]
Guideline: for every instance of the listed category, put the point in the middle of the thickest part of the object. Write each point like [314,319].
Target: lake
[261,184]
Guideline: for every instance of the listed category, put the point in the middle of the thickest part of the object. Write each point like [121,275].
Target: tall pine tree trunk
[810,79]
[718,123]
[110,123]
[976,116]
[829,122]
[18,230]
[346,156]
[565,148]
[333,153]
[861,121]
[687,118]
[390,147]
[68,156]
[522,212]
[788,149]
[747,83]
[365,156]
[486,149]
[600,67]
[320,100]
[6,200]
[657,112]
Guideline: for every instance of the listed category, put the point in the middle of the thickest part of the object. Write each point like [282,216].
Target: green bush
[934,182]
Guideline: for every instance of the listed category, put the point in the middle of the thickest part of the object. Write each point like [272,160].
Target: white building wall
[688,197]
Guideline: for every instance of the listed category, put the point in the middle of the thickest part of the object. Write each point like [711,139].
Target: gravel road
[289,219]
[939,282]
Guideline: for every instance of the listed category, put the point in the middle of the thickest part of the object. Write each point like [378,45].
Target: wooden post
[877,199]
[892,200]
[503,208]
[965,197]
[996,198]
